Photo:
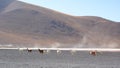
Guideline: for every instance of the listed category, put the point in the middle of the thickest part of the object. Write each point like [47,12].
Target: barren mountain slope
[23,24]
[4,4]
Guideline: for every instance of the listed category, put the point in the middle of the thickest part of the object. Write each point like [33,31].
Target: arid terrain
[26,25]
[82,59]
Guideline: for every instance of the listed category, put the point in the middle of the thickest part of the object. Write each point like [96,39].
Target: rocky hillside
[26,25]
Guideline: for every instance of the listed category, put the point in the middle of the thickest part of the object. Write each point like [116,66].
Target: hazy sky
[109,9]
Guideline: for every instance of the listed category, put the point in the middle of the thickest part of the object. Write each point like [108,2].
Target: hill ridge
[32,26]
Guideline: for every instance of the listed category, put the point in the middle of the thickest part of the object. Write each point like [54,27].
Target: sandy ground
[82,59]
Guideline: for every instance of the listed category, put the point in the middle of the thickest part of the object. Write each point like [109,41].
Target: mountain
[26,25]
[4,3]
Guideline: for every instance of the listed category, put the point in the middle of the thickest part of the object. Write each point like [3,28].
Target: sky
[109,9]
